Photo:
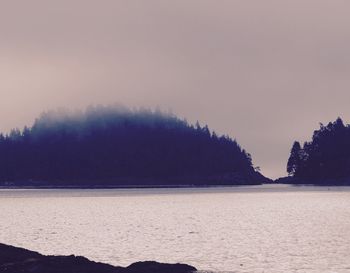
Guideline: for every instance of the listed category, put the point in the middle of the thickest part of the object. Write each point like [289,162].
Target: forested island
[115,146]
[325,160]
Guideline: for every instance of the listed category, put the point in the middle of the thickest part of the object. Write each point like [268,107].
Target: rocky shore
[19,260]
[345,181]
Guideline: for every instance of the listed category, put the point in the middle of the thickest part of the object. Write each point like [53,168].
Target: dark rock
[18,260]
[154,267]
[10,254]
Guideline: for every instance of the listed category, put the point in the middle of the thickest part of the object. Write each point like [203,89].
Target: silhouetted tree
[294,159]
[114,146]
[326,157]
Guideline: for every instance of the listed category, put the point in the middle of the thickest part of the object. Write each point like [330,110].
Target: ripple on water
[227,229]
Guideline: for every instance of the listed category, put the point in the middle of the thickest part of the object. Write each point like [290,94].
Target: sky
[264,72]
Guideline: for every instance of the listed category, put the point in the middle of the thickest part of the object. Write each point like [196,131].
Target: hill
[114,146]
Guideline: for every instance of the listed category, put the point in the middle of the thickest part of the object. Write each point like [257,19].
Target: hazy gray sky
[265,72]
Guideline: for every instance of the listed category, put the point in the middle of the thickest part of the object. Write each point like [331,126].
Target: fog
[264,72]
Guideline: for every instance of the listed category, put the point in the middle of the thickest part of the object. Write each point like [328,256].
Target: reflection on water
[240,229]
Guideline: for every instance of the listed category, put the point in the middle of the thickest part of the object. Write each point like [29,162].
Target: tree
[113,145]
[294,159]
[325,158]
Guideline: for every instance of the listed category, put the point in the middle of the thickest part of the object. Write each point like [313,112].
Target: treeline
[325,159]
[117,146]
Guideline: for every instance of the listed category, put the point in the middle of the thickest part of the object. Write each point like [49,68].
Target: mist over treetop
[110,143]
[104,116]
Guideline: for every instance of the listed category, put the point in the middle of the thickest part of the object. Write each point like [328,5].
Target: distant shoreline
[272,186]
[130,183]
[131,187]
[290,180]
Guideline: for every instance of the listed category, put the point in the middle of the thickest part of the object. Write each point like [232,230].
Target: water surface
[239,229]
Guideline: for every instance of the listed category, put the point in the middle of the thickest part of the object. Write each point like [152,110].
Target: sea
[269,228]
